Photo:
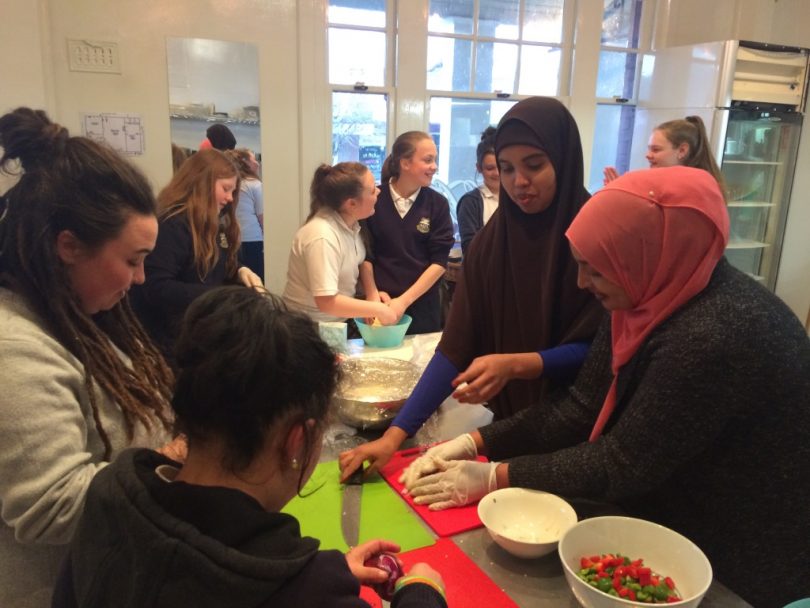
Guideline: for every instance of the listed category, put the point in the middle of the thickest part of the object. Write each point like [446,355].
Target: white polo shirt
[403,204]
[324,261]
[490,203]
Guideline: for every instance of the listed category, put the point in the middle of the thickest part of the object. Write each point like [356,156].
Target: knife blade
[350,516]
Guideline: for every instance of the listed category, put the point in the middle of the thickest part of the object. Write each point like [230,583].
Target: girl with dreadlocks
[80,379]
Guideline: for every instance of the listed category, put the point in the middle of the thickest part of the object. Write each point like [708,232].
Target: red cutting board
[370,596]
[466,585]
[443,523]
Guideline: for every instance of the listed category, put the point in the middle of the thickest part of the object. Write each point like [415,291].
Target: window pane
[359,127]
[495,67]
[456,126]
[451,16]
[543,20]
[448,64]
[613,136]
[498,18]
[356,56]
[617,73]
[370,13]
[539,70]
[621,22]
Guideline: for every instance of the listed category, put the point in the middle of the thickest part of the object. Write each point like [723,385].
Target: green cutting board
[383,514]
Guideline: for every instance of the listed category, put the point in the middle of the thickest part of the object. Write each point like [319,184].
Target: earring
[294,464]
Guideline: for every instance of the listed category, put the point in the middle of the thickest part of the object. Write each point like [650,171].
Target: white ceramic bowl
[663,550]
[526,523]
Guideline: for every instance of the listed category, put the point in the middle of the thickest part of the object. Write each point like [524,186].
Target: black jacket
[172,283]
[710,436]
[470,214]
[143,542]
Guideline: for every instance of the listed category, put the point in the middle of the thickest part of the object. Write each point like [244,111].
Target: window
[358,51]
[359,129]
[456,125]
[483,46]
[616,87]
[357,42]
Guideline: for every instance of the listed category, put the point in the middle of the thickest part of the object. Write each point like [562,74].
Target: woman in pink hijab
[692,408]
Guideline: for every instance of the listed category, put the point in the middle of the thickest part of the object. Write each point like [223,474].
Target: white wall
[774,21]
[23,79]
[140,29]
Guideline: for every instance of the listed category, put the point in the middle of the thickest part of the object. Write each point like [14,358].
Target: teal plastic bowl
[384,336]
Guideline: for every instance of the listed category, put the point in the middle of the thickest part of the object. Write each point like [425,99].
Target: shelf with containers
[757,167]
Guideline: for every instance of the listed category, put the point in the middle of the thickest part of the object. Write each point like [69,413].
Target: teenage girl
[197,246]
[328,250]
[253,391]
[476,206]
[81,381]
[250,210]
[679,142]
[411,233]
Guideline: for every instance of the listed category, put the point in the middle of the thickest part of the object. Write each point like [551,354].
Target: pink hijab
[659,235]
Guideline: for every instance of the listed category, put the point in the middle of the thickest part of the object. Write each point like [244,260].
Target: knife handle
[356,478]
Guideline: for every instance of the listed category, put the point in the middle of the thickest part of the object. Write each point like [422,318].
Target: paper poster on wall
[122,132]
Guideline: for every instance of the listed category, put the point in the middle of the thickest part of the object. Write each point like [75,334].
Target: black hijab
[518,290]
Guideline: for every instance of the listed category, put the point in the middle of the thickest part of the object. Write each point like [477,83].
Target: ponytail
[692,132]
[404,147]
[333,186]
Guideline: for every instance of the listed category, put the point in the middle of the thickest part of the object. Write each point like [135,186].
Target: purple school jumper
[403,247]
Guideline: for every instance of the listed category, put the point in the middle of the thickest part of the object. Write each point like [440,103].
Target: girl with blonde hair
[197,245]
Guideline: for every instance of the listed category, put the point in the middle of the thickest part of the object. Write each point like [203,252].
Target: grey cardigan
[711,435]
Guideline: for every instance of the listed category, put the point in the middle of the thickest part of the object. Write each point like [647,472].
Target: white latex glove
[458,483]
[249,278]
[460,448]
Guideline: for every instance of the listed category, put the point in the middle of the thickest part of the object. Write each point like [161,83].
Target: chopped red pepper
[625,576]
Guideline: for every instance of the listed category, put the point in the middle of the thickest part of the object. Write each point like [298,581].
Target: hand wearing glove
[460,448]
[458,483]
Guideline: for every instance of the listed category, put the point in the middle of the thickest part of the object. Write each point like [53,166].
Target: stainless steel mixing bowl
[373,389]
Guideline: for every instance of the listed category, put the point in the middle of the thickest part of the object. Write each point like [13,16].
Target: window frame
[388,88]
[565,46]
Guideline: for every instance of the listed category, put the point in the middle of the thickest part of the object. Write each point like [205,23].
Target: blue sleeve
[562,362]
[428,394]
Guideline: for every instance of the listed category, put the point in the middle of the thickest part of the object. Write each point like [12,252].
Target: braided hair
[75,184]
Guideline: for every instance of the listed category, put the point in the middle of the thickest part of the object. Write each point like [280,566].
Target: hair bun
[30,136]
[488,134]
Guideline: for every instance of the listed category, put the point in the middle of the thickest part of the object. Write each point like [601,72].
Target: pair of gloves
[448,475]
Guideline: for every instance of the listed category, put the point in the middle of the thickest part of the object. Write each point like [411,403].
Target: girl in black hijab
[519,325]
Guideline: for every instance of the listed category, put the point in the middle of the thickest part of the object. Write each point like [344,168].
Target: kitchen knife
[350,517]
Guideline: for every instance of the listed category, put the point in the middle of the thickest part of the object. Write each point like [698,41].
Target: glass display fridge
[751,97]
[758,162]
